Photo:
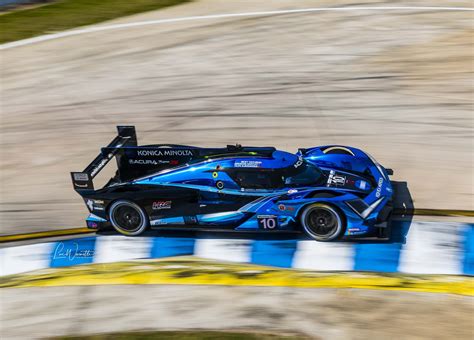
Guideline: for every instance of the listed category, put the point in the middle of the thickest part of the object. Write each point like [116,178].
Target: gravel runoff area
[322,313]
[395,83]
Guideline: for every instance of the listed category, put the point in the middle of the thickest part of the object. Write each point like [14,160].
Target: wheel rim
[127,218]
[322,223]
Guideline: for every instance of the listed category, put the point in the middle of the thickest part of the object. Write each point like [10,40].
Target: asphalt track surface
[396,83]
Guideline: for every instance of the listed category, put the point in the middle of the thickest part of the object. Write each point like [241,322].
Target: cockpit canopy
[299,174]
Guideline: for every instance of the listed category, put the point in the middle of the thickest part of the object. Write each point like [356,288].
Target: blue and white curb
[422,248]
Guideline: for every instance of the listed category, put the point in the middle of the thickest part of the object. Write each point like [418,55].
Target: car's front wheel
[322,222]
[128,218]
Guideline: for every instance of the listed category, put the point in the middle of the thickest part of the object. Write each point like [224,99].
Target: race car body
[326,191]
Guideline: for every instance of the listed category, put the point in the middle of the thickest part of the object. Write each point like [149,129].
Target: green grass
[67,14]
[197,335]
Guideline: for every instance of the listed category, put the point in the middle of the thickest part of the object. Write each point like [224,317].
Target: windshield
[307,174]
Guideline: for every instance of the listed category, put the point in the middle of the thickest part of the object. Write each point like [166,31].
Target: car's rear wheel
[322,222]
[128,218]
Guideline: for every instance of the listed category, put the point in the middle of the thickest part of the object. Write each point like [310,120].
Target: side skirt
[221,230]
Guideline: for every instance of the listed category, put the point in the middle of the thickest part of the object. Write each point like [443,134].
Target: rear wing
[135,161]
[126,136]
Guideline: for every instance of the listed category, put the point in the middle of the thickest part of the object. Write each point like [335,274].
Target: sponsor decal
[165,152]
[335,179]
[351,231]
[159,205]
[93,225]
[99,167]
[95,204]
[299,162]
[143,161]
[81,177]
[248,164]
[379,187]
[90,204]
[81,185]
[190,220]
[283,207]
[339,180]
[292,191]
[362,185]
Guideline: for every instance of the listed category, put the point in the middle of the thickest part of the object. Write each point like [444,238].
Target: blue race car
[326,192]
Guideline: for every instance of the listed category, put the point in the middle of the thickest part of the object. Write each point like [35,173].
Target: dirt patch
[324,313]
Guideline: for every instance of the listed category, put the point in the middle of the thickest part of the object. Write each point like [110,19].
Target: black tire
[128,218]
[322,222]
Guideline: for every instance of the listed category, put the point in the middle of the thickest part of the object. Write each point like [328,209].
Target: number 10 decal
[267,222]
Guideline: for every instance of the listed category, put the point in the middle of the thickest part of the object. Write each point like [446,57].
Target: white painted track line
[323,256]
[14,260]
[93,29]
[121,248]
[433,248]
[234,250]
